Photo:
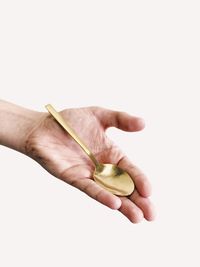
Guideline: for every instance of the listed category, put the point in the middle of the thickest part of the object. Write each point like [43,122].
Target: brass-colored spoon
[108,176]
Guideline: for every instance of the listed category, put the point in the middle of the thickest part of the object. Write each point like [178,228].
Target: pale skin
[37,135]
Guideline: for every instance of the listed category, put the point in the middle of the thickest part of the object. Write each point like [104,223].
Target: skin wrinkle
[120,160]
[88,186]
[63,174]
[75,183]
[37,125]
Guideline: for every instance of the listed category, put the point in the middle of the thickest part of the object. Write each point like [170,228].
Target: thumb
[121,120]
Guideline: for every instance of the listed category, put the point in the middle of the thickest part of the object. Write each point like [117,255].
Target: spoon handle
[71,132]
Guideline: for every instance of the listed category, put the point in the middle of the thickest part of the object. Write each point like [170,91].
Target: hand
[60,155]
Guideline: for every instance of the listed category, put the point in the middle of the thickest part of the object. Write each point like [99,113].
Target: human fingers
[96,192]
[144,204]
[131,210]
[141,182]
[119,119]
[81,178]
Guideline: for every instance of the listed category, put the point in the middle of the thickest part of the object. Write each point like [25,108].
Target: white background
[142,57]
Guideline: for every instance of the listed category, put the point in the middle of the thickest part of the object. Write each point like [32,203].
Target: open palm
[59,154]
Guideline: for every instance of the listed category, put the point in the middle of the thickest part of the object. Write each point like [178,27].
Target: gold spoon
[108,176]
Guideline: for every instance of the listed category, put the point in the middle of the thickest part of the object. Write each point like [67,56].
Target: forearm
[15,124]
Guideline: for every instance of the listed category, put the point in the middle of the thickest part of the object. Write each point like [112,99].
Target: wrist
[16,123]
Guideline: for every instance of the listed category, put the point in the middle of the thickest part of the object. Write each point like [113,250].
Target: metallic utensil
[108,176]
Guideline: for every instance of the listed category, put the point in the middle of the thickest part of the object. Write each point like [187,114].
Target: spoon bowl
[114,179]
[108,176]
